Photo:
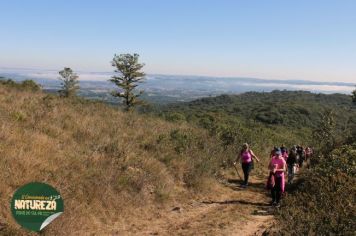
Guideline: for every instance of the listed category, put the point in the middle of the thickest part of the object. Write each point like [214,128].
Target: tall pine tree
[129,75]
[69,82]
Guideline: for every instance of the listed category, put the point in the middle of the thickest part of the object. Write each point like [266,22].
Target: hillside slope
[104,162]
[115,171]
[131,174]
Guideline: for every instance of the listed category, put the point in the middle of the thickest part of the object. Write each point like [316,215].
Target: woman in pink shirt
[246,155]
[277,166]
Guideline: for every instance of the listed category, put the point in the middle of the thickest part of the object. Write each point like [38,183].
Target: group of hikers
[281,162]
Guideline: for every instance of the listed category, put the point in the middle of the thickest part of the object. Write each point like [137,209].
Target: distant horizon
[81,72]
[163,82]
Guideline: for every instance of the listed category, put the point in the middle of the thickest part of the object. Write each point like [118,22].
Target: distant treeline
[287,108]
[25,84]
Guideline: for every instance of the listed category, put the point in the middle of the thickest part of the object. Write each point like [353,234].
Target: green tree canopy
[69,82]
[128,76]
[324,133]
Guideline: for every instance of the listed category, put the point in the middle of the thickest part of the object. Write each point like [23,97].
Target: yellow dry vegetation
[109,166]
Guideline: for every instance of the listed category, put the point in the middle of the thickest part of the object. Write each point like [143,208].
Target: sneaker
[277,205]
[243,185]
[273,203]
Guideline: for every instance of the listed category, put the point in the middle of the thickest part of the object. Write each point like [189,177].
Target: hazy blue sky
[301,39]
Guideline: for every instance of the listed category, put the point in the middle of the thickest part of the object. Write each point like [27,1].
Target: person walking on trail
[284,148]
[277,167]
[292,164]
[284,153]
[308,155]
[300,152]
[246,155]
[273,152]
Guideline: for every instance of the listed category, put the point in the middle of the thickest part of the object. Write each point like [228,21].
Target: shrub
[29,85]
[324,202]
[175,116]
[181,139]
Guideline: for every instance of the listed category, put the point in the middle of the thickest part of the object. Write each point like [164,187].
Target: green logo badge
[35,205]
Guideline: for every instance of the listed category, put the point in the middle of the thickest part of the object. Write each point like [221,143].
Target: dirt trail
[233,211]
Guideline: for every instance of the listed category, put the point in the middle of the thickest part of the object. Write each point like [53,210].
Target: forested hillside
[288,108]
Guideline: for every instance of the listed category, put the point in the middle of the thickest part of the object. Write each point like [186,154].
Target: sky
[271,39]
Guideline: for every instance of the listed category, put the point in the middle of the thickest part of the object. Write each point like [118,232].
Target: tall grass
[110,166]
[104,162]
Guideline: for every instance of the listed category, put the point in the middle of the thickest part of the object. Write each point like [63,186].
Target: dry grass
[105,163]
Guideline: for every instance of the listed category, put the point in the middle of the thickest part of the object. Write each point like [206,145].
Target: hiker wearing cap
[277,167]
[246,155]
